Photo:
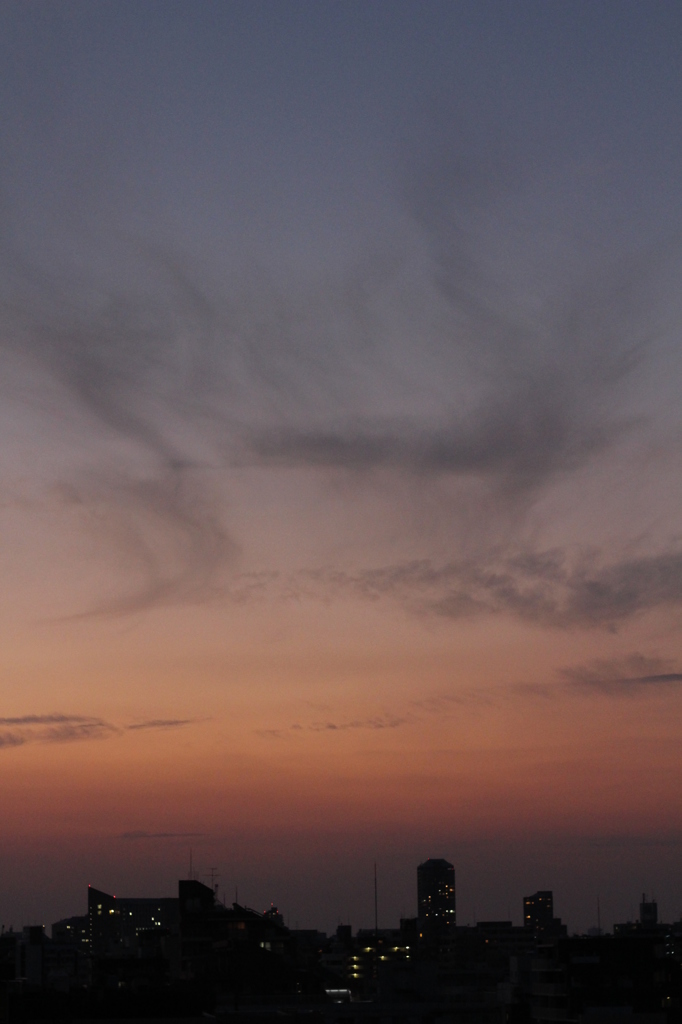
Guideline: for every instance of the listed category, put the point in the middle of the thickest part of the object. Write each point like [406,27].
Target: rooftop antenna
[191,873]
[598,916]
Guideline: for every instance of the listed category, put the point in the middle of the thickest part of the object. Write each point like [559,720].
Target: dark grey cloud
[162,723]
[70,731]
[61,728]
[11,739]
[199,377]
[632,676]
[535,387]
[445,310]
[54,728]
[550,588]
[55,719]
[520,443]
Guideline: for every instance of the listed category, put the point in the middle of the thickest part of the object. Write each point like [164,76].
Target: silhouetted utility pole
[376,927]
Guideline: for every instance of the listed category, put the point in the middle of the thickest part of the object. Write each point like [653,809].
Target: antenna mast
[214,873]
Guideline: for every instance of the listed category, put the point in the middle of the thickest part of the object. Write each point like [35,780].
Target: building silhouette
[538,915]
[436,900]
[115,924]
[648,912]
[196,958]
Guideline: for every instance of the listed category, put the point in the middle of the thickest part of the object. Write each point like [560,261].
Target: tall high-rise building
[538,915]
[437,908]
[538,910]
[648,912]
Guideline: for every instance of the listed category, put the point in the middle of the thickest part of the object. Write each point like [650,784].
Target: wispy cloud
[520,444]
[54,719]
[632,676]
[54,728]
[271,734]
[162,723]
[11,739]
[375,722]
[62,728]
[550,588]
[132,364]
[166,529]
[522,392]
[182,380]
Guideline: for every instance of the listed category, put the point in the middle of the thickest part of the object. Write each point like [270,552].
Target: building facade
[436,900]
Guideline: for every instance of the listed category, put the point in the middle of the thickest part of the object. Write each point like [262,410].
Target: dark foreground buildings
[115,925]
[194,958]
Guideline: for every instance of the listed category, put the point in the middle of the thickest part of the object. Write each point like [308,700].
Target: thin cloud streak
[162,723]
[378,722]
[521,445]
[603,677]
[55,719]
[55,728]
[633,676]
[61,728]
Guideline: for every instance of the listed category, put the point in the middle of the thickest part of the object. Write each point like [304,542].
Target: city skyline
[340,475]
[434,898]
[192,952]
[437,886]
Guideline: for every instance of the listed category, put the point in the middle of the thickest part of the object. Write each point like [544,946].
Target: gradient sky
[340,451]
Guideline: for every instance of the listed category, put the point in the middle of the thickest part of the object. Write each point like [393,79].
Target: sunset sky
[341,453]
